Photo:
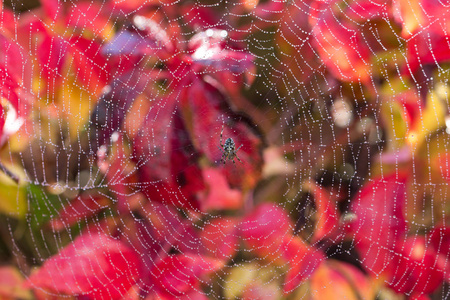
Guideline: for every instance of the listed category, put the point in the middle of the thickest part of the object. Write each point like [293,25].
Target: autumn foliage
[112,183]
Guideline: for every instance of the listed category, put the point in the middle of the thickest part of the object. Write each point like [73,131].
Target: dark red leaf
[166,159]
[146,37]
[129,6]
[112,107]
[208,107]
[201,16]
[440,240]
[77,210]
[185,171]
[95,266]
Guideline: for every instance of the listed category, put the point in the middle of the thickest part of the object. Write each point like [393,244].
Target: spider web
[113,184]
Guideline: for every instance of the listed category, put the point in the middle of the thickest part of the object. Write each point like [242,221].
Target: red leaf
[442,162]
[90,66]
[268,232]
[379,225]
[208,107]
[78,209]
[52,56]
[416,16]
[339,41]
[8,21]
[220,238]
[168,229]
[89,15]
[128,6]
[412,106]
[327,223]
[428,47]
[52,8]
[14,72]
[96,266]
[179,275]
[416,271]
[303,261]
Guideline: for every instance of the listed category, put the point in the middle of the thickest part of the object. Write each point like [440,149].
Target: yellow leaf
[430,119]
[12,196]
[238,279]
[75,103]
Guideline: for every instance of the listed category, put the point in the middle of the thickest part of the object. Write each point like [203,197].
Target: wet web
[113,112]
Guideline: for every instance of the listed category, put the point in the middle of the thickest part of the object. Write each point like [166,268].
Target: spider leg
[221,134]
[238,148]
[221,150]
[238,157]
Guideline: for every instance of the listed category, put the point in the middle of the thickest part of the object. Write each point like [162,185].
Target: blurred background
[224,149]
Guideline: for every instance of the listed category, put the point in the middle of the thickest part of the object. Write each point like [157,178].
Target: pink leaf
[95,266]
[265,228]
[220,238]
[52,8]
[219,195]
[182,274]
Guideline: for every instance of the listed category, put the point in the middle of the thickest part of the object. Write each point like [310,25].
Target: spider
[229,151]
